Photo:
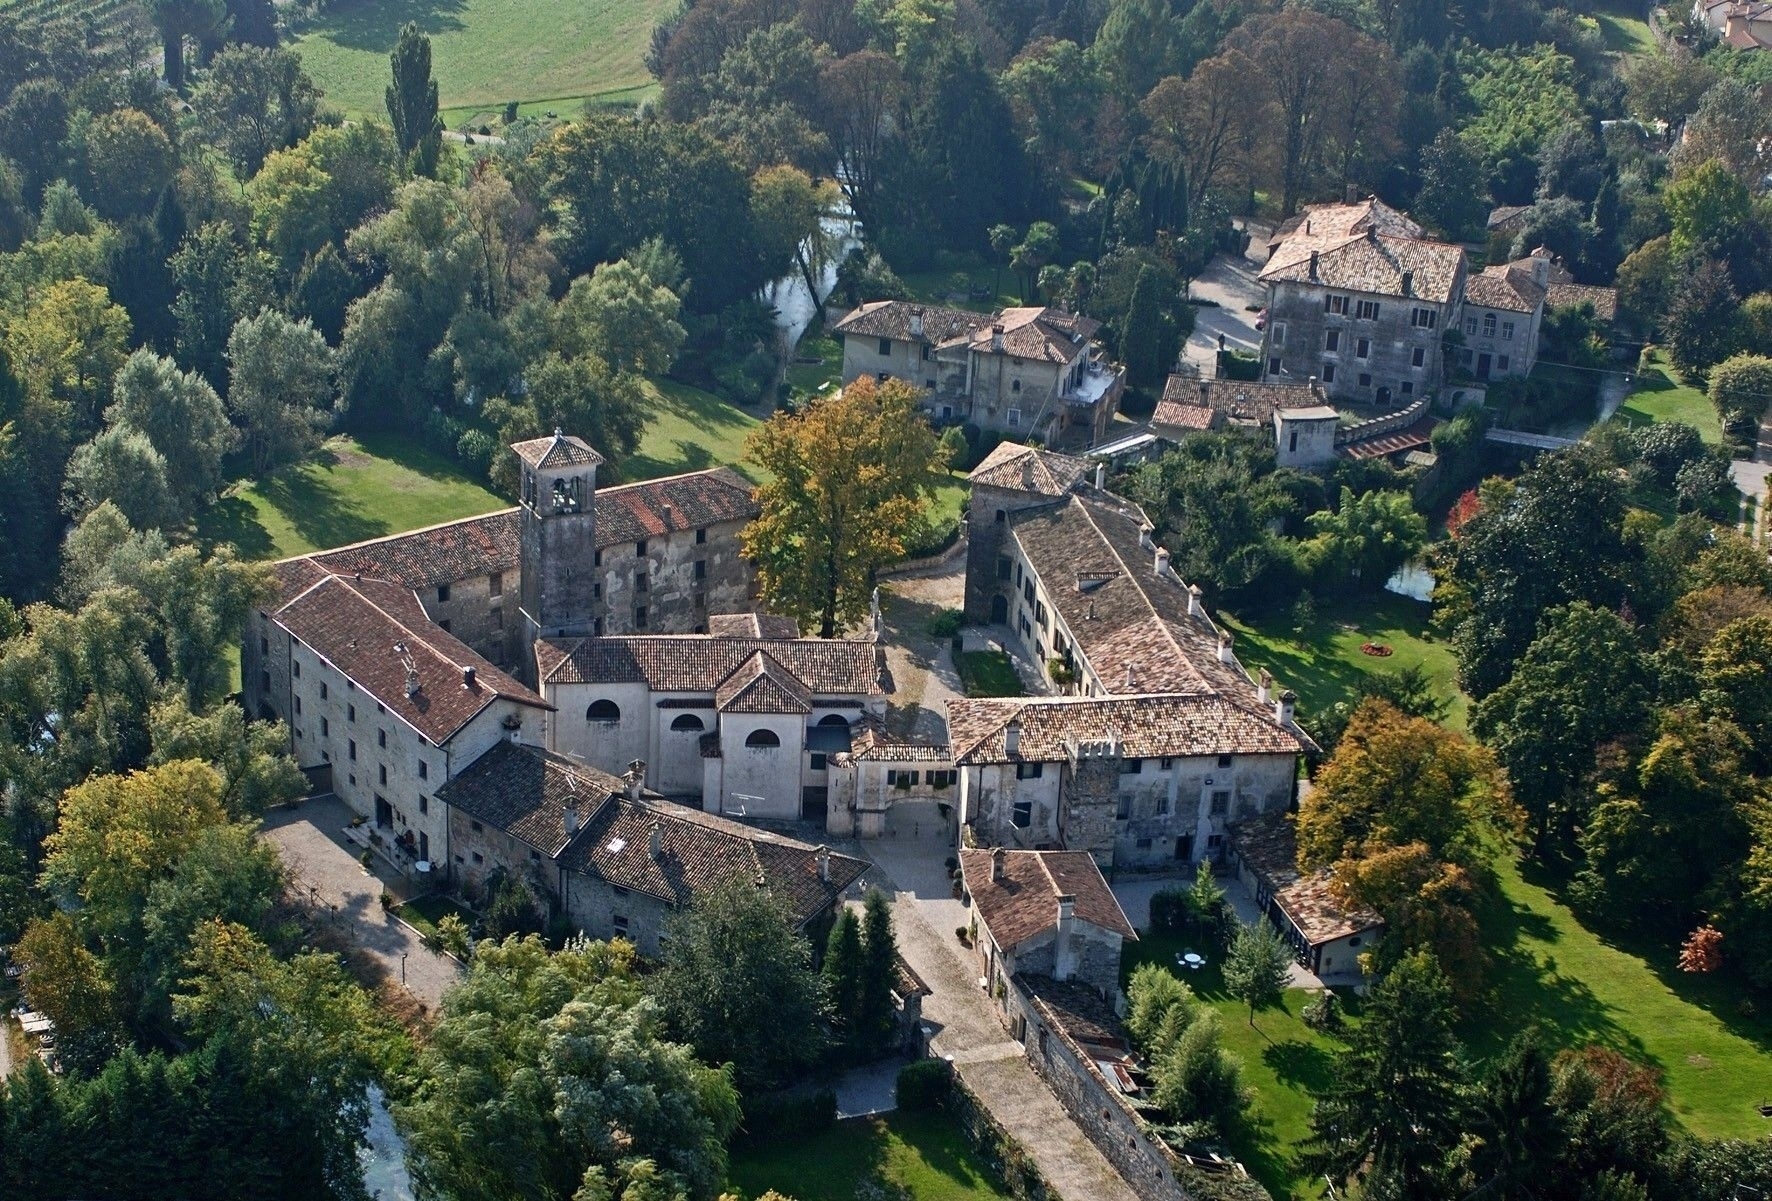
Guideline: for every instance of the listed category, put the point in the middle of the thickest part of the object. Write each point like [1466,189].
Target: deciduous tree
[281,387]
[848,488]
[1257,966]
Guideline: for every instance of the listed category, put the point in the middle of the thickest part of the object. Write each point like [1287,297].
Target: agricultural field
[549,56]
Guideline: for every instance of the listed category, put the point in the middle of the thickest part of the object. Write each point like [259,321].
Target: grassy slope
[690,429]
[485,52]
[352,490]
[1324,663]
[923,1154]
[1661,395]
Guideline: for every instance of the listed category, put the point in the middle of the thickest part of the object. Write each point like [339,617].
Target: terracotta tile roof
[435,555]
[761,685]
[871,741]
[892,319]
[1131,624]
[1041,334]
[653,508]
[1145,727]
[358,626]
[1078,1010]
[1508,286]
[1370,262]
[1241,402]
[524,791]
[1024,903]
[561,450]
[1268,844]
[752,625]
[1340,220]
[1020,468]
[1407,438]
[1184,415]
[1604,300]
[1508,217]
[699,662]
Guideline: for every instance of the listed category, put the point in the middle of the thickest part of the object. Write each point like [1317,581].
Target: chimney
[1205,393]
[1162,567]
[655,839]
[1225,654]
[570,818]
[1353,194]
[1265,687]
[916,323]
[1408,283]
[1012,736]
[635,778]
[1131,678]
[412,684]
[1284,706]
[1541,267]
[467,678]
[1067,909]
[1062,966]
[667,517]
[1194,607]
[1100,476]
[1144,539]
[1372,233]
[1307,225]
[1313,264]
[996,339]
[823,855]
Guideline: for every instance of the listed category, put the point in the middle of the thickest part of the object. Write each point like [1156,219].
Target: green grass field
[1661,395]
[1623,25]
[423,913]
[1323,663]
[942,287]
[919,1156]
[486,52]
[989,673]
[351,490]
[690,429]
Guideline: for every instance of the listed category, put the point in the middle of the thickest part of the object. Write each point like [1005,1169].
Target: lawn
[1283,1059]
[919,1156]
[423,913]
[690,429]
[486,52]
[953,288]
[989,673]
[351,490]
[1661,395]
[813,379]
[1623,26]
[1323,663]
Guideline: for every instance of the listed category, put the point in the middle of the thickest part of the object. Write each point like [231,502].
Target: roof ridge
[1040,858]
[1154,615]
[315,555]
[718,469]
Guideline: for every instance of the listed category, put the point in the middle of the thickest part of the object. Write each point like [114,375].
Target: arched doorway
[999,611]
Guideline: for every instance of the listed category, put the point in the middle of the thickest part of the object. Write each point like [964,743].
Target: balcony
[1098,380]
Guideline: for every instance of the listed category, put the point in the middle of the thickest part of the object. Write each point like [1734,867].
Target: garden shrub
[924,1084]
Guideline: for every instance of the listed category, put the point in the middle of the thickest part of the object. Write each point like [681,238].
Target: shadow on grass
[231,520]
[318,509]
[401,452]
[1300,1065]
[376,24]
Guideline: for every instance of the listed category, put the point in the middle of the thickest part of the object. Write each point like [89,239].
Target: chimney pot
[1225,654]
[1012,736]
[1100,476]
[823,855]
[997,339]
[570,819]
[1266,685]
[1408,283]
[636,778]
[1162,564]
[655,839]
[1194,606]
[1284,707]
[1067,908]
[916,323]
[1353,194]
[1131,679]
[467,678]
[1313,264]
[997,866]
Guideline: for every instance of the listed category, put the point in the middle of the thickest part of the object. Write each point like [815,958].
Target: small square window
[535,856]
[1273,365]
[1225,760]
[1144,844]
[1501,363]
[1408,387]
[1021,815]
[1168,762]
[1365,379]
[477,827]
[620,922]
[1131,767]
[444,625]
[818,761]
[479,858]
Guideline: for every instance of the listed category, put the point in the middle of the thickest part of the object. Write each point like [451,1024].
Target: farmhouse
[615,858]
[1026,372]
[1044,913]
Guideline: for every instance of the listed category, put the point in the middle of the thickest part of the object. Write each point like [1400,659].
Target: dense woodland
[204,272]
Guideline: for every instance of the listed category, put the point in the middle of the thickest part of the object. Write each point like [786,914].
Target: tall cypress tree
[842,979]
[1141,335]
[879,974]
[412,101]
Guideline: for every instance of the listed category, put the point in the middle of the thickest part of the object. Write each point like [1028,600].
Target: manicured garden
[1323,662]
[486,52]
[919,1156]
[1662,395]
[988,673]
[352,489]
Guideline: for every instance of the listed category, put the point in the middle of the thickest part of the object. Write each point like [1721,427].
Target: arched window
[834,719]
[603,711]
[762,740]
[689,722]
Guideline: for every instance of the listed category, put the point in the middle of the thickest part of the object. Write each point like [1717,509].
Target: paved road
[308,837]
[1231,284]
[924,917]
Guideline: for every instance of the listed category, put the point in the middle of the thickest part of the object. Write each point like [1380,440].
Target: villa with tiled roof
[1044,913]
[1026,372]
[618,859]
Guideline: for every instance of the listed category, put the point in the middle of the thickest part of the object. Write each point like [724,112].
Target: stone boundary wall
[913,566]
[1379,426]
[1013,1167]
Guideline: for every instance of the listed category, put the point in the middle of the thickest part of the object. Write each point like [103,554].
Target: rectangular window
[298,704]
[701,537]
[1507,331]
[382,772]
[1163,805]
[351,749]
[1501,363]
[701,569]
[264,646]
[1040,614]
[1144,844]
[350,713]
[1221,803]
[620,922]
[927,351]
[641,583]
[495,583]
[640,549]
[1168,762]
[1273,365]
[264,681]
[479,858]
[1021,814]
[424,770]
[1424,318]
[442,594]
[1367,311]
[818,761]
[1029,771]
[1131,767]
[1332,340]
[1014,416]
[1418,357]
[640,617]
[324,691]
[1279,333]
[1328,373]
[1365,380]
[885,347]
[1488,325]
[1335,304]
[1470,327]
[381,738]
[444,625]
[1123,807]
[1408,387]
[498,619]
[1363,348]
[1002,568]
[295,668]
[1015,385]
[597,558]
[477,827]
[424,804]
[1225,760]
[325,728]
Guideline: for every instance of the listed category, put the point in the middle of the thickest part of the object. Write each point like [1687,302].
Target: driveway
[310,839]
[924,915]
[923,676]
[1231,285]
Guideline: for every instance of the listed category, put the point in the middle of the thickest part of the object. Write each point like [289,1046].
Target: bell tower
[559,539]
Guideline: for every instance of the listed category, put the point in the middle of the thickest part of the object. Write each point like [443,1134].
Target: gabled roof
[561,450]
[438,554]
[368,629]
[752,625]
[673,504]
[699,662]
[1565,295]
[1370,262]
[1145,727]
[1341,220]
[1268,846]
[1024,904]
[1506,286]
[1041,334]
[1241,402]
[525,791]
[1020,468]
[892,319]
[761,685]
